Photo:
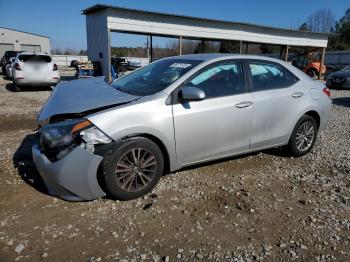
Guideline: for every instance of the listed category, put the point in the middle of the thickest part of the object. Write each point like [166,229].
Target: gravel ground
[263,206]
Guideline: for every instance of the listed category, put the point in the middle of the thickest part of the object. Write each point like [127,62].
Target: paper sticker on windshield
[180,65]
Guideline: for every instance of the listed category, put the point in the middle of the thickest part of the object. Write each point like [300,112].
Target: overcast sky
[63,23]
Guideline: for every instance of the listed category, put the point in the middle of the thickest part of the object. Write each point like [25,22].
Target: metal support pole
[321,64]
[286,54]
[151,48]
[240,47]
[147,47]
[180,45]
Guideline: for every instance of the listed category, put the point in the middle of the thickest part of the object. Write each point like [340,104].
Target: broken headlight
[63,137]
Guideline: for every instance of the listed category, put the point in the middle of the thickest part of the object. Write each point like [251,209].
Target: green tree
[341,40]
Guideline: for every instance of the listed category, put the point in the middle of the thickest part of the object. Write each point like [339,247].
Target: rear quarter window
[35,58]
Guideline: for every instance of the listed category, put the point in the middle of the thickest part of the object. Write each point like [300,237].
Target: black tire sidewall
[16,87]
[110,162]
[292,142]
[312,73]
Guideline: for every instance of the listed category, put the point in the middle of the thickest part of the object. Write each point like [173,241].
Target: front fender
[152,118]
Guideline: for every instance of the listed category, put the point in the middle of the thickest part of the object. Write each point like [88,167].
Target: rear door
[278,98]
[219,125]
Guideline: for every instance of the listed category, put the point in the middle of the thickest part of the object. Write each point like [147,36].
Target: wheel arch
[315,115]
[311,111]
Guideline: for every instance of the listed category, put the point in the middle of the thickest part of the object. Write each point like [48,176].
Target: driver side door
[220,124]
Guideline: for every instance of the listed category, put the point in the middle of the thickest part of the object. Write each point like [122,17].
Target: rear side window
[267,76]
[35,58]
[220,80]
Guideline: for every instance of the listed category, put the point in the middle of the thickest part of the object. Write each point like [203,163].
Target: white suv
[34,69]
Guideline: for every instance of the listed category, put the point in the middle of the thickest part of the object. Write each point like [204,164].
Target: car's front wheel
[132,168]
[303,137]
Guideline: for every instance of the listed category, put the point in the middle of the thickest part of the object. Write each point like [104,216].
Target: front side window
[269,76]
[220,80]
[154,77]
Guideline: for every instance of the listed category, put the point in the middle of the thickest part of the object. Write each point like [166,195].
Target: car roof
[215,56]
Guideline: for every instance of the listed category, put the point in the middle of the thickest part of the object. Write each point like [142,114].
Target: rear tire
[132,168]
[312,73]
[303,137]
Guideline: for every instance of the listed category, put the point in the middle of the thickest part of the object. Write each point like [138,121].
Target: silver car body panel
[197,131]
[211,128]
[67,178]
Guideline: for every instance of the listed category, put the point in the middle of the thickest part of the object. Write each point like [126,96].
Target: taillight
[327,91]
[17,67]
[54,67]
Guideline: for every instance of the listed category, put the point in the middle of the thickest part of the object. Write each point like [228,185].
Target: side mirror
[191,93]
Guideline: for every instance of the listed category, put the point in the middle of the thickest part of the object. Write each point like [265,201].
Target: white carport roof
[163,24]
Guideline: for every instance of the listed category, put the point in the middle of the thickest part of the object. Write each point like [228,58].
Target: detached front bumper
[72,178]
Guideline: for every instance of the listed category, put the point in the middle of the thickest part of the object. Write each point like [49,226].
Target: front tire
[303,137]
[16,88]
[132,168]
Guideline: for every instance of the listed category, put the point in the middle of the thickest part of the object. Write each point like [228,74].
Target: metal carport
[101,20]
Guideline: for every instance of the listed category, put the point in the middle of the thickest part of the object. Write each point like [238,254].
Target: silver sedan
[120,138]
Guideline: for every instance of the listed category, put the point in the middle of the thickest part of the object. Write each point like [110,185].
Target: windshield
[346,69]
[154,77]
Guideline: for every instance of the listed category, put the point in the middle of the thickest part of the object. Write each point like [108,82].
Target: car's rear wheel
[303,137]
[132,168]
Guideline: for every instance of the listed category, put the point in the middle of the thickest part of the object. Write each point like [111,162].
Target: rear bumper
[325,114]
[72,178]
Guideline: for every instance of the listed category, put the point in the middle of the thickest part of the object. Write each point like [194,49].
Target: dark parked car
[120,64]
[6,60]
[74,63]
[340,79]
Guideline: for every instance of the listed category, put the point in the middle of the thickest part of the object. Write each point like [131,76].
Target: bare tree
[322,20]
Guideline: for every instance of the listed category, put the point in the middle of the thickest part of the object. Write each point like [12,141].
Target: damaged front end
[68,158]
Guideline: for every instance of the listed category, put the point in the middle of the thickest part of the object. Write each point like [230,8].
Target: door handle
[244,104]
[297,94]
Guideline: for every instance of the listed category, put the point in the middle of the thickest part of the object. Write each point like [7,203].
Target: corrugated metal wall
[98,40]
[20,39]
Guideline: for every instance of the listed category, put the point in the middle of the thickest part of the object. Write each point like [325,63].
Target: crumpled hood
[82,95]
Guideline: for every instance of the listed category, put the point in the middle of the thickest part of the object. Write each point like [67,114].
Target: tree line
[324,21]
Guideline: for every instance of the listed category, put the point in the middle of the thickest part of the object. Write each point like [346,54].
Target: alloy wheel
[305,136]
[135,169]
